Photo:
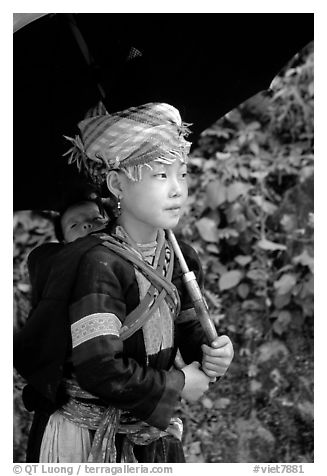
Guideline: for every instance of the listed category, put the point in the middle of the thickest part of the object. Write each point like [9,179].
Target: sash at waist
[107,421]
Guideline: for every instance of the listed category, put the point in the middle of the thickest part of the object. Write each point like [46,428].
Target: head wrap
[128,140]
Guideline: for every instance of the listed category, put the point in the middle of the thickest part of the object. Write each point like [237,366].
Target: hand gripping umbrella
[203,64]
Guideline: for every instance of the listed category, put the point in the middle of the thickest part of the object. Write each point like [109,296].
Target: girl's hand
[196,382]
[217,358]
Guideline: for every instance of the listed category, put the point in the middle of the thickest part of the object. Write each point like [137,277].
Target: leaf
[311,88]
[213,298]
[306,172]
[209,164]
[266,435]
[277,377]
[223,155]
[207,403]
[257,274]
[265,205]
[218,268]
[289,222]
[230,279]
[216,194]
[285,284]
[273,349]
[236,189]
[243,260]
[22,238]
[196,161]
[214,215]
[309,285]
[253,370]
[193,453]
[282,300]
[282,322]
[251,305]
[254,147]
[251,432]
[225,233]
[16,251]
[244,172]
[287,267]
[241,223]
[306,409]
[243,290]
[207,229]
[259,175]
[255,163]
[233,211]
[222,403]
[305,260]
[25,288]
[212,248]
[270,245]
[216,317]
[255,386]
[307,307]
[234,115]
[254,126]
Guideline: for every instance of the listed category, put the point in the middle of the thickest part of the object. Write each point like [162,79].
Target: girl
[128,309]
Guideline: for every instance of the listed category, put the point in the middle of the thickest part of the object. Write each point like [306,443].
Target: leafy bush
[250,217]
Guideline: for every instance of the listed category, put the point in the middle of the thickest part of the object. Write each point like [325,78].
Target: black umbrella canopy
[204,64]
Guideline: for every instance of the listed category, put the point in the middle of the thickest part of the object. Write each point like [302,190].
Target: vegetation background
[250,217]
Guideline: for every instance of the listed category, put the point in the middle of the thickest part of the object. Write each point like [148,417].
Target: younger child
[79,220]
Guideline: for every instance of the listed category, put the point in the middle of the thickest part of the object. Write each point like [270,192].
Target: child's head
[140,154]
[156,201]
[79,220]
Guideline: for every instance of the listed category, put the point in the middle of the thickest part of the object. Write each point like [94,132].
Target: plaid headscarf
[128,140]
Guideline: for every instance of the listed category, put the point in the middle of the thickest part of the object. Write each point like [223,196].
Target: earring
[117,211]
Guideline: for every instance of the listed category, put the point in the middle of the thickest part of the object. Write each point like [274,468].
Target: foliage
[250,217]
[30,230]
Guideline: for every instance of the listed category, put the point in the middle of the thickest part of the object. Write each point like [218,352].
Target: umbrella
[204,64]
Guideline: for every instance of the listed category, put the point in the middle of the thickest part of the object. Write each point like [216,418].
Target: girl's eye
[73,225]
[161,175]
[182,175]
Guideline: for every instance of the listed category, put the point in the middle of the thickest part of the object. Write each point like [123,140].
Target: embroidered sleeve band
[94,325]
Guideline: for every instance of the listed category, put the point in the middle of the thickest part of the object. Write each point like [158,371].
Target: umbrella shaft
[194,291]
[200,306]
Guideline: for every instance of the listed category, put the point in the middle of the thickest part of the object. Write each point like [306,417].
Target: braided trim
[95,325]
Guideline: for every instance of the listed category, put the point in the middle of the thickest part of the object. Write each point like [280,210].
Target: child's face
[154,202]
[81,219]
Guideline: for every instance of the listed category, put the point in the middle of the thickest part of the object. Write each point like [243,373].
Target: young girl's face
[81,219]
[154,202]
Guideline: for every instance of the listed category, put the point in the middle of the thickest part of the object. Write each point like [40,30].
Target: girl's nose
[176,189]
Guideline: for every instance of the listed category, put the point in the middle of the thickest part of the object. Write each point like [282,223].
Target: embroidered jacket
[136,374]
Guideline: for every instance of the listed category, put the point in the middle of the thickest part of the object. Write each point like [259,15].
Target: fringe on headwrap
[96,168]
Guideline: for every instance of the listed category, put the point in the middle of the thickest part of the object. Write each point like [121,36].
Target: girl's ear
[114,183]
